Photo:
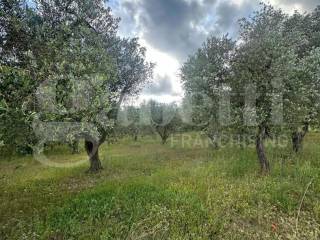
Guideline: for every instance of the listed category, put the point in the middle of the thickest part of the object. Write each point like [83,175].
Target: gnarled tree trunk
[92,149]
[75,147]
[297,141]
[163,133]
[297,138]
[135,134]
[92,146]
[214,140]
[263,161]
[164,140]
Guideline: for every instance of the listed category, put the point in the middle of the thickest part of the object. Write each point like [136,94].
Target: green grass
[151,191]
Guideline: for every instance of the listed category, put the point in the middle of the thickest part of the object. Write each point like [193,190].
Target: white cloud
[172,29]
[166,66]
[288,8]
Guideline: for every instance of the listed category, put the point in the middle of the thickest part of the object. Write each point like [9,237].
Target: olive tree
[267,85]
[205,76]
[103,68]
[16,82]
[165,119]
[133,114]
[82,70]
[268,64]
[306,28]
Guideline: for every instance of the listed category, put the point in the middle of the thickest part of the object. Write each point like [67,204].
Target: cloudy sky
[173,29]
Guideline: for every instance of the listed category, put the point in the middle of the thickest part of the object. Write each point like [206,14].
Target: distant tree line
[151,118]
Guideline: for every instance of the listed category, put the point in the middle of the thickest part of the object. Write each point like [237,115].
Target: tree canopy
[71,67]
[268,77]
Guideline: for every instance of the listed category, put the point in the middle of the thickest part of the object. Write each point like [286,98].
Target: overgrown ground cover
[153,191]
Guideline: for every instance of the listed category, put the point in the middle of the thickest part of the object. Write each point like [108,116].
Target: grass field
[151,191]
